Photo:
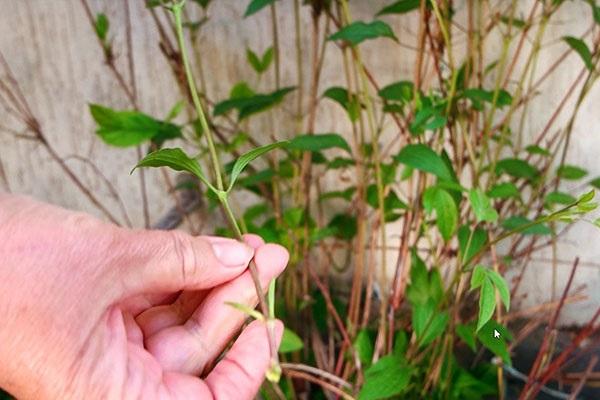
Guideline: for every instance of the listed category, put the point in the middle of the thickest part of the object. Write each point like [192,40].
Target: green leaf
[581,48]
[261,64]
[427,119]
[517,221]
[595,10]
[487,303]
[497,346]
[504,191]
[517,168]
[535,149]
[246,310]
[359,31]
[570,172]
[364,347]
[341,194]
[257,5]
[587,197]
[559,198]
[175,110]
[345,226]
[465,332]
[101,26]
[503,98]
[418,290]
[501,286]
[400,7]
[130,128]
[435,329]
[398,91]
[595,183]
[175,159]
[478,276]
[482,206]
[250,156]
[387,377]
[470,242]
[290,342]
[293,216]
[319,142]
[597,222]
[441,201]
[253,104]
[421,157]
[349,102]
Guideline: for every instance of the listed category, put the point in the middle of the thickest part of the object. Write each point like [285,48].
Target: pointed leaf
[257,5]
[359,31]
[175,159]
[581,48]
[247,158]
[571,172]
[290,341]
[501,286]
[400,7]
[504,191]
[386,378]
[421,157]
[318,142]
[130,128]
[487,303]
[441,201]
[101,26]
[482,206]
[517,168]
[478,276]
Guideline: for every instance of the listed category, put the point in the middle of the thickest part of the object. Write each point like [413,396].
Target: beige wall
[53,52]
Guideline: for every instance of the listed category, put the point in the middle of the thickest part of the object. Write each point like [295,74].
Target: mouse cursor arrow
[496,334]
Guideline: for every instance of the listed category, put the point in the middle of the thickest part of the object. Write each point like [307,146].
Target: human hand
[91,310]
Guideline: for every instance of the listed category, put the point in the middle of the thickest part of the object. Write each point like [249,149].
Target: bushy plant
[440,161]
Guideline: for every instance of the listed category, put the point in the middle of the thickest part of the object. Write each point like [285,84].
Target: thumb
[169,261]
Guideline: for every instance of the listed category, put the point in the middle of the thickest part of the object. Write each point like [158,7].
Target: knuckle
[186,255]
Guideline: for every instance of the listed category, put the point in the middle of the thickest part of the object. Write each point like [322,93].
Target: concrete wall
[54,55]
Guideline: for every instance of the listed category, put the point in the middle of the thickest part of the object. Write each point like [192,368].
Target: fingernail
[232,253]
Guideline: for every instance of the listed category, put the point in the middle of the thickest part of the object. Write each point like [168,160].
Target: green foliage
[439,200]
[488,280]
[130,128]
[348,101]
[482,206]
[413,146]
[260,64]
[319,142]
[421,157]
[101,27]
[387,377]
[357,32]
[581,48]
[400,7]
[517,168]
[256,5]
[501,98]
[175,159]
[290,342]
[248,103]
[247,158]
[571,172]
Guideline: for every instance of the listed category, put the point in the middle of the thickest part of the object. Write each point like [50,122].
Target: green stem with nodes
[274,371]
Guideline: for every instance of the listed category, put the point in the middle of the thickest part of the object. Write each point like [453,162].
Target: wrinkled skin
[93,311]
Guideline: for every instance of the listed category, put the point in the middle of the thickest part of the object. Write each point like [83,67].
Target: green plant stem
[192,86]
[274,371]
